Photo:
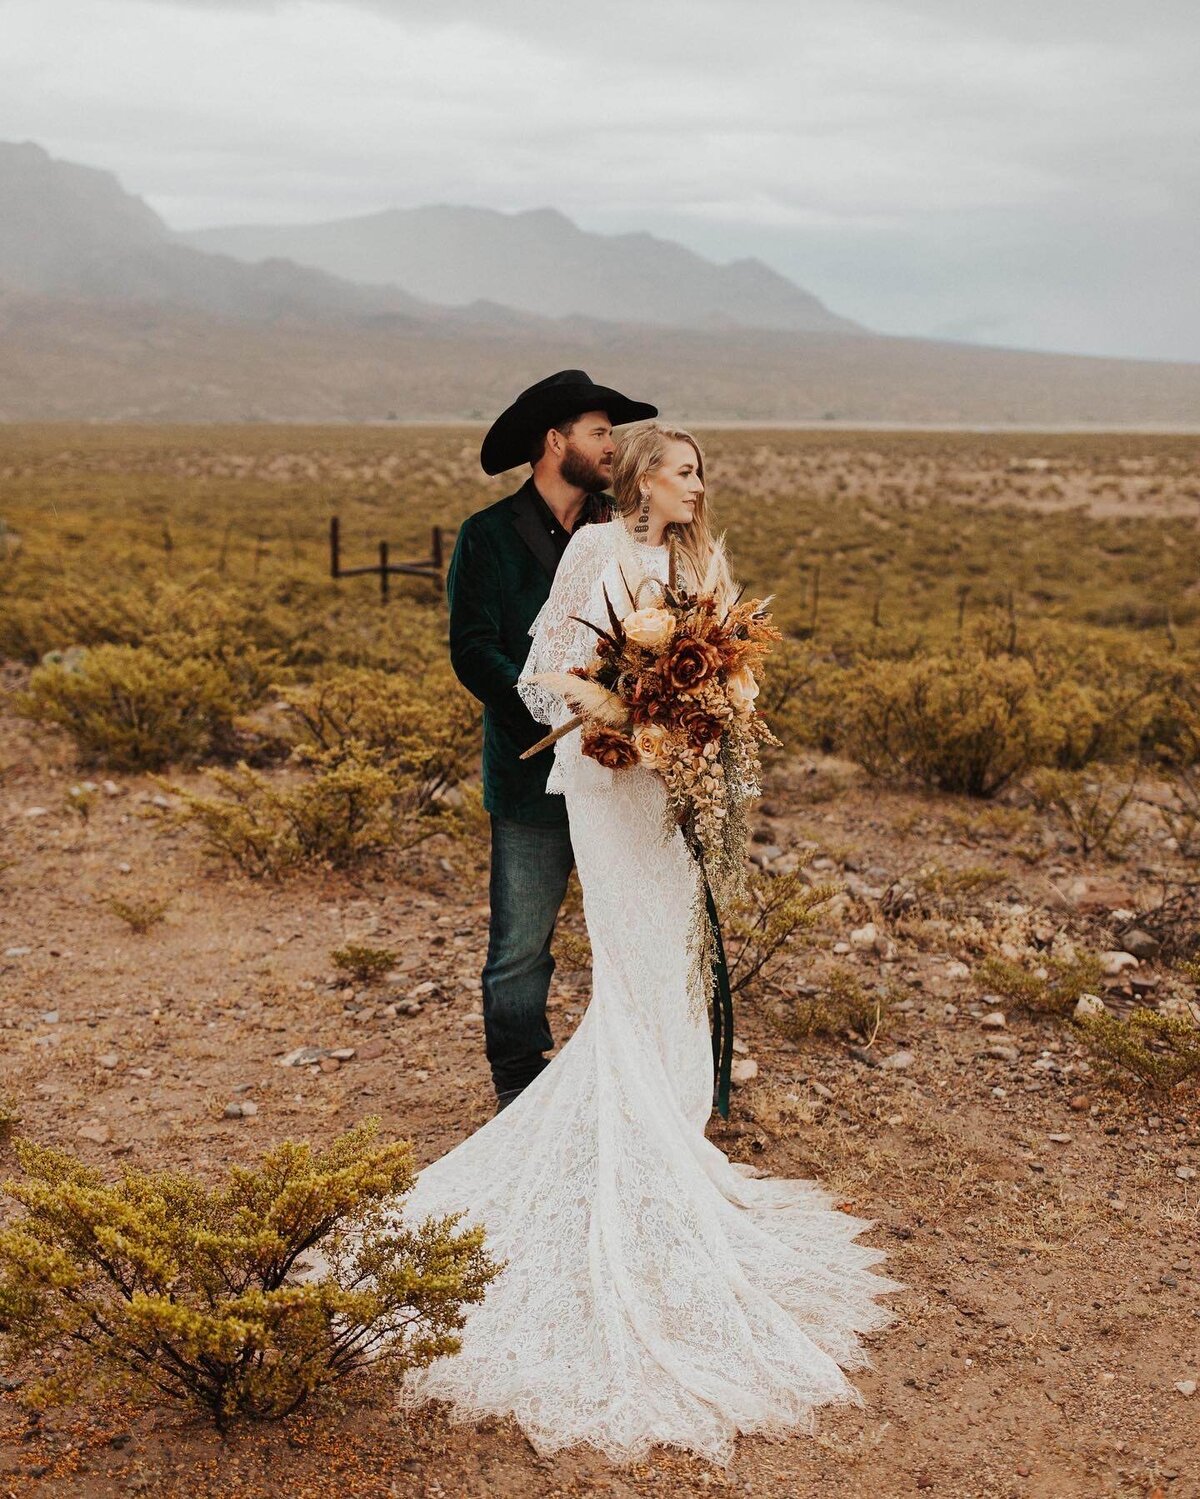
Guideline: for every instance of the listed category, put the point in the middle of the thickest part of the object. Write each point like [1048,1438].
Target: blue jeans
[531,864]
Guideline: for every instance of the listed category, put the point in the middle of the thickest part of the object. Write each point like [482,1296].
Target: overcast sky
[1020,172]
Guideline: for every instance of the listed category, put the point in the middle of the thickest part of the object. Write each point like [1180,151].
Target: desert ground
[1040,1207]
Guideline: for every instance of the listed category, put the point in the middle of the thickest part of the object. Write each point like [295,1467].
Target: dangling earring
[643,522]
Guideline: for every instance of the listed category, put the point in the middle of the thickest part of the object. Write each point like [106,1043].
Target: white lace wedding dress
[654,1290]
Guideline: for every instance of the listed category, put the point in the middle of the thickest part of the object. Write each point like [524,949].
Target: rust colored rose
[647,698]
[611,748]
[691,663]
[698,727]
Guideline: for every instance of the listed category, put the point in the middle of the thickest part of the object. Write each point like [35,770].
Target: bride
[654,1291]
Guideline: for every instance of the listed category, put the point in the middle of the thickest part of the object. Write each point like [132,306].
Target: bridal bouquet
[672,687]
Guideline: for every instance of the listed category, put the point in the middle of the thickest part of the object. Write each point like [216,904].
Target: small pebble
[994,1022]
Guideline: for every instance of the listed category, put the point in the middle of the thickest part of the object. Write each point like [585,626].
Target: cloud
[924,165]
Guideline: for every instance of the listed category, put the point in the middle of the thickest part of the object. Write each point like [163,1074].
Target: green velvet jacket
[499,577]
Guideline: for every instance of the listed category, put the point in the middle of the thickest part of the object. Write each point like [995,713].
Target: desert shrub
[9,1119]
[139,913]
[364,964]
[934,890]
[1052,989]
[773,912]
[344,806]
[1093,803]
[166,1288]
[842,1004]
[128,708]
[965,723]
[1173,917]
[1161,1051]
[419,721]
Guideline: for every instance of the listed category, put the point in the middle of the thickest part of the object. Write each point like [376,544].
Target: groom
[500,574]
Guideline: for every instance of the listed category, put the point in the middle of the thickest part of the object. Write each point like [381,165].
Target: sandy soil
[1052,1285]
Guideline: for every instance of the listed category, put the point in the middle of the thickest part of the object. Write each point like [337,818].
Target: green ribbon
[722,1007]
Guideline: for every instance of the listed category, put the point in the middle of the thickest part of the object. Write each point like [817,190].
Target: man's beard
[582,472]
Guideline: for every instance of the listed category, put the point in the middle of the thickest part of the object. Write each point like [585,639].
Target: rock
[1180,1008]
[841,948]
[1080,1102]
[1059,1139]
[957,972]
[17,952]
[1141,944]
[1185,1173]
[411,1006]
[1088,1004]
[740,1047]
[109,1061]
[110,788]
[898,1061]
[949,1011]
[821,1090]
[50,1017]
[329,1064]
[1186,1387]
[1003,1052]
[249,1108]
[343,1053]
[372,1049]
[1097,896]
[743,1069]
[232,1111]
[422,990]
[36,812]
[303,1056]
[93,1130]
[766,855]
[1112,964]
[863,937]
[994,1022]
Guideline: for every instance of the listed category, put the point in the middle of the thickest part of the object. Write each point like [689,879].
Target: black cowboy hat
[512,435]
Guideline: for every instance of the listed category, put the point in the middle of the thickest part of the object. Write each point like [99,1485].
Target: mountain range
[445,312]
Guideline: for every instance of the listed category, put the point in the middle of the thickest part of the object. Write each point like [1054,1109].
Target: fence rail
[432,567]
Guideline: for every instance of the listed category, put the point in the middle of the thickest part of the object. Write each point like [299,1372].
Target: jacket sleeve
[479,660]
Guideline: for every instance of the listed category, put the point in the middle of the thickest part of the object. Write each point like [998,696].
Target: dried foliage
[1161,1051]
[170,1289]
[842,1005]
[139,913]
[1094,804]
[760,928]
[1053,988]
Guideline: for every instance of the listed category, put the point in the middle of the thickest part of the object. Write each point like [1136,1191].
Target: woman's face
[676,488]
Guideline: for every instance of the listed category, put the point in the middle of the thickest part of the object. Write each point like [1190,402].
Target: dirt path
[1052,1284]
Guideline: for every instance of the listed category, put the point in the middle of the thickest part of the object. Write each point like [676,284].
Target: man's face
[587,457]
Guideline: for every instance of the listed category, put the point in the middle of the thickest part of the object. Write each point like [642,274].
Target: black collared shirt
[596,507]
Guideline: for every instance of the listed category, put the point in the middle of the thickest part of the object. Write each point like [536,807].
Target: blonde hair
[641,451]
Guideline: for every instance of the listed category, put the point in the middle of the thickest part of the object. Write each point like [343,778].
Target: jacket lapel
[531,530]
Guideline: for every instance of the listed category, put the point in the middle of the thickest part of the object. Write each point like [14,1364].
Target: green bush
[365,964]
[1093,804]
[168,1289]
[128,708]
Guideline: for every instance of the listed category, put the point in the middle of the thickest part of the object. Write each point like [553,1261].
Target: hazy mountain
[539,262]
[105,362]
[73,231]
[104,315]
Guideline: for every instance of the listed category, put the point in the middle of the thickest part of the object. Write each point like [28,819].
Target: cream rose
[743,689]
[649,627]
[648,741]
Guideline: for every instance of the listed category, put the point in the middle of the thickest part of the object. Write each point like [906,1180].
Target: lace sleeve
[559,642]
